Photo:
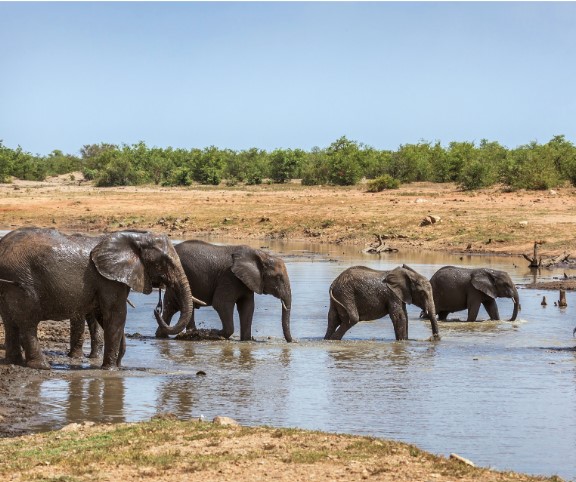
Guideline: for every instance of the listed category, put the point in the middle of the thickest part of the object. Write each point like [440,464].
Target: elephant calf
[360,293]
[457,289]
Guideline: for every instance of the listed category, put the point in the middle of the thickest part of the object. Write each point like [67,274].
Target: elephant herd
[48,275]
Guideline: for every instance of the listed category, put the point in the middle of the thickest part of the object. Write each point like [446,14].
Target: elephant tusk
[284,305]
[130,303]
[198,302]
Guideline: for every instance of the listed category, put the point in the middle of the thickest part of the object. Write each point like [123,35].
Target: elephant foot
[38,364]
[16,360]
[109,366]
[76,353]
[224,334]
[435,337]
[95,354]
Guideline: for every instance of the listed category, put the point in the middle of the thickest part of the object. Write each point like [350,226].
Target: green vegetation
[343,163]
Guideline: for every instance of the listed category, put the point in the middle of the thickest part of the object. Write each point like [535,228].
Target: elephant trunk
[286,307]
[431,310]
[516,301]
[184,295]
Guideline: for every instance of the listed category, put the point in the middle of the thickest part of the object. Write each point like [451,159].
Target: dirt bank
[488,221]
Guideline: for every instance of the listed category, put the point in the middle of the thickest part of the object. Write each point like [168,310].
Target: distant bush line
[343,163]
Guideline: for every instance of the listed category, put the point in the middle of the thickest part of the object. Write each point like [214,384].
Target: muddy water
[501,394]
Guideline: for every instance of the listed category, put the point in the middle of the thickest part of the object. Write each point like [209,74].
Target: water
[501,394]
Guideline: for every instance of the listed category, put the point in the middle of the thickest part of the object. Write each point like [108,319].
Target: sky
[285,75]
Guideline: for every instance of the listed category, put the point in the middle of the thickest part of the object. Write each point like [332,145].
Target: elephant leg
[399,317]
[76,336]
[96,336]
[122,350]
[333,321]
[29,340]
[113,309]
[245,307]
[492,309]
[442,315]
[348,318]
[12,342]
[226,313]
[473,309]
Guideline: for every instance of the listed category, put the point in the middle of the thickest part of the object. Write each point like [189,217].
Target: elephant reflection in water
[96,399]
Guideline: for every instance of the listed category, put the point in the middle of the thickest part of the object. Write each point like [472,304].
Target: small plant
[385,181]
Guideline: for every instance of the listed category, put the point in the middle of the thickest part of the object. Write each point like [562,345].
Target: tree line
[343,163]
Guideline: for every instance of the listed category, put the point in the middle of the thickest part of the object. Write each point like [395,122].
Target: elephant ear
[482,280]
[117,257]
[247,267]
[399,282]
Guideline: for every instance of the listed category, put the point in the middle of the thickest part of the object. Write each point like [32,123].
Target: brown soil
[489,221]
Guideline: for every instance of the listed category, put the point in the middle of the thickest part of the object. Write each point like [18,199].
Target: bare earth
[490,221]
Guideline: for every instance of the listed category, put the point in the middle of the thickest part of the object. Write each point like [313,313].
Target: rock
[523,223]
[218,420]
[552,192]
[430,219]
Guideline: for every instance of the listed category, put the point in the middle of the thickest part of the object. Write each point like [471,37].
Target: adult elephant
[458,289]
[228,276]
[45,274]
[360,293]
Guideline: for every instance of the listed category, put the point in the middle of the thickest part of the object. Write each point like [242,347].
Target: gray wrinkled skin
[360,293]
[456,289]
[47,275]
[227,276]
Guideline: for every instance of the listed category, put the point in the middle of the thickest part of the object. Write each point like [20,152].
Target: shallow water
[501,394]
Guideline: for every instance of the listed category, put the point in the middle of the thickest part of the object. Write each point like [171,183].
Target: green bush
[383,182]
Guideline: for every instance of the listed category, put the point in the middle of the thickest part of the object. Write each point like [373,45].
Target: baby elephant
[456,289]
[360,293]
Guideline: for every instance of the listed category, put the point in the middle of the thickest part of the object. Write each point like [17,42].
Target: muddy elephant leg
[76,336]
[29,340]
[442,315]
[12,342]
[348,318]
[333,321]
[113,321]
[245,308]
[473,309]
[492,309]
[122,350]
[226,313]
[96,336]
[399,317]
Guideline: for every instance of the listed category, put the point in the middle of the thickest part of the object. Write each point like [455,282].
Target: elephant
[48,275]
[224,276]
[456,289]
[360,293]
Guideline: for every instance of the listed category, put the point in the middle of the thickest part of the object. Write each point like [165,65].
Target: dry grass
[489,221]
[167,449]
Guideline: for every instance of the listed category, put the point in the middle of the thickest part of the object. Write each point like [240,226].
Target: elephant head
[143,261]
[265,274]
[496,284]
[413,288]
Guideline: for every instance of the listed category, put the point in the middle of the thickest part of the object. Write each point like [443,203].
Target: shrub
[383,182]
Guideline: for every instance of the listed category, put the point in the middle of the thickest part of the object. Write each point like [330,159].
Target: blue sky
[299,74]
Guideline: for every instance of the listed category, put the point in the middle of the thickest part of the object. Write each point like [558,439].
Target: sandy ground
[490,221]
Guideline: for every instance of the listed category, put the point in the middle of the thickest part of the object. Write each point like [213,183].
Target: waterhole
[502,394]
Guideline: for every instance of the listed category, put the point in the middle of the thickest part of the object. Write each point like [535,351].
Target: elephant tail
[332,297]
